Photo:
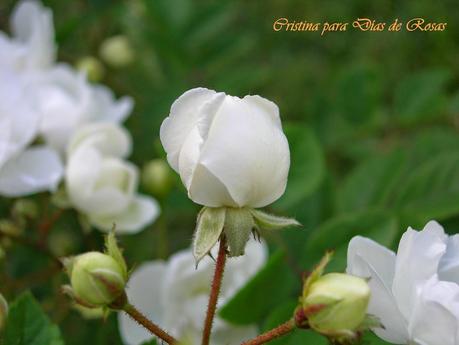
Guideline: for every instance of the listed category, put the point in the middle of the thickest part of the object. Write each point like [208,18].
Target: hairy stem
[274,333]
[154,329]
[215,291]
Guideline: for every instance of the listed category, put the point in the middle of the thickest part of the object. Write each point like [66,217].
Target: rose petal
[141,212]
[418,258]
[35,170]
[368,259]
[147,277]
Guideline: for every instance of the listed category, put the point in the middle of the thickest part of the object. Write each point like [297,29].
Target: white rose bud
[102,185]
[3,311]
[229,151]
[232,156]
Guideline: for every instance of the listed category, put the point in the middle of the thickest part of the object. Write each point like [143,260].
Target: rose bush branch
[154,329]
[272,334]
[215,291]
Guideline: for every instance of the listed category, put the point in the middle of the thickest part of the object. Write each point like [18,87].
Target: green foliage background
[372,120]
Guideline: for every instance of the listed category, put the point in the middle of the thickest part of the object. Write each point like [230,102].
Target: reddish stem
[275,333]
[215,291]
[142,320]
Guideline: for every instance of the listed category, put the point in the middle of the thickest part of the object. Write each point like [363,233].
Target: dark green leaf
[28,325]
[270,286]
[307,167]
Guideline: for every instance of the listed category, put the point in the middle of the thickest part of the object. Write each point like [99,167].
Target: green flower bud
[97,279]
[157,177]
[3,311]
[117,51]
[340,302]
[92,67]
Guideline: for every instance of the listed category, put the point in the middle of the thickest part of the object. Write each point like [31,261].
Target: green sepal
[271,222]
[112,249]
[239,224]
[317,272]
[209,227]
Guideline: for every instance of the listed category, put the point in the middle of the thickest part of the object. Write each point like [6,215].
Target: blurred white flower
[31,46]
[415,293]
[23,169]
[174,294]
[67,101]
[101,184]
[228,151]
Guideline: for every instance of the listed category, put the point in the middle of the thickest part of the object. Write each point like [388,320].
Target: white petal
[35,170]
[109,138]
[144,290]
[418,258]
[32,25]
[247,151]
[449,264]
[368,259]
[184,116]
[142,211]
[435,319]
[98,185]
[106,108]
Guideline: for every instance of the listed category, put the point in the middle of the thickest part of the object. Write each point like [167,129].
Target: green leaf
[28,325]
[421,96]
[431,190]
[358,94]
[266,289]
[372,339]
[271,222]
[371,183]
[337,232]
[208,230]
[307,167]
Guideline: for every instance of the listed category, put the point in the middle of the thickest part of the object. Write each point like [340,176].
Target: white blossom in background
[229,151]
[174,294]
[31,47]
[101,184]
[67,101]
[415,293]
[25,169]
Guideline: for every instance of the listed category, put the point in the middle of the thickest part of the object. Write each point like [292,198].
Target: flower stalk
[272,334]
[154,329]
[215,291]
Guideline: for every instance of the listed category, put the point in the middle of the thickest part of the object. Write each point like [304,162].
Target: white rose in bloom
[23,170]
[32,45]
[229,151]
[175,295]
[102,185]
[67,101]
[415,293]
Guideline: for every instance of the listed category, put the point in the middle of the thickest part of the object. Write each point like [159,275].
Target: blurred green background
[372,120]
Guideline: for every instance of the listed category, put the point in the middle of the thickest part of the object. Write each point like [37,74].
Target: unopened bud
[25,208]
[157,178]
[3,311]
[339,302]
[117,51]
[92,67]
[97,279]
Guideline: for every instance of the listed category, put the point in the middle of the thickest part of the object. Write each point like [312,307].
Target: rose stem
[215,291]
[142,320]
[272,334]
